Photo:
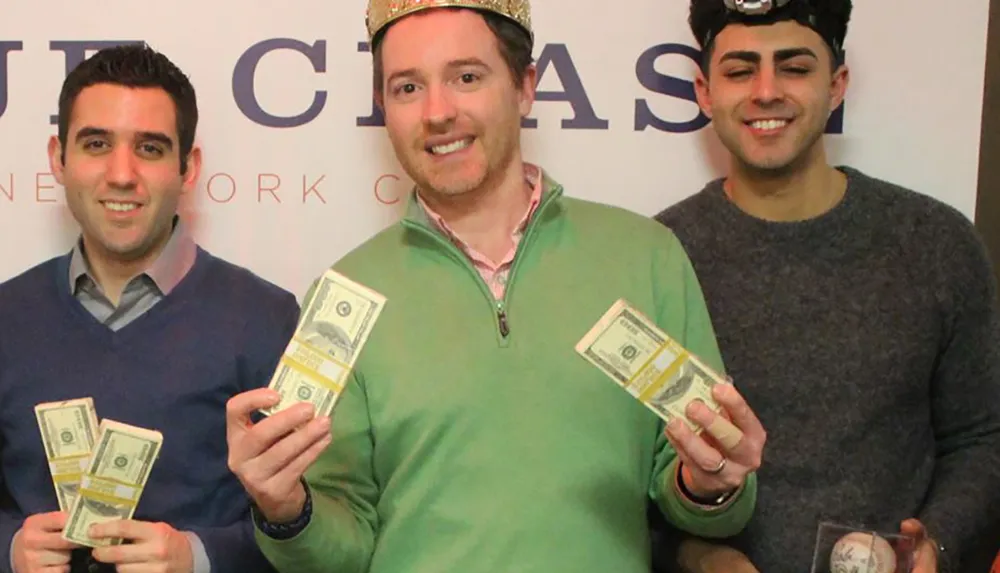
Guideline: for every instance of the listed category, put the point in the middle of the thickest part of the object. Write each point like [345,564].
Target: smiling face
[121,172]
[769,92]
[452,107]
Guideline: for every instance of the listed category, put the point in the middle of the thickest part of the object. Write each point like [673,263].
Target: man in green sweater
[471,436]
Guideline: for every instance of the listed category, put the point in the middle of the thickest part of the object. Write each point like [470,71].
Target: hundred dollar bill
[654,368]
[335,325]
[69,429]
[116,475]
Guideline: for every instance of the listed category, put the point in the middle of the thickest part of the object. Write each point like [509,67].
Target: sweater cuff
[11,549]
[706,521]
[200,562]
[9,525]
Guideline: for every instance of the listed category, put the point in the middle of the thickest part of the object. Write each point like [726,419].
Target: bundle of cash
[654,368]
[113,482]
[69,429]
[335,325]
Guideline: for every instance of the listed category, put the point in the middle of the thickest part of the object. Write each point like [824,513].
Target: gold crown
[381,13]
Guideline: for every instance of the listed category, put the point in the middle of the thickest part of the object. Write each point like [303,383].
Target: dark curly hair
[828,18]
[134,66]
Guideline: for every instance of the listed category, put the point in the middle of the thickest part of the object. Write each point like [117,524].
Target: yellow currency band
[660,380]
[96,495]
[72,463]
[323,381]
[101,488]
[296,364]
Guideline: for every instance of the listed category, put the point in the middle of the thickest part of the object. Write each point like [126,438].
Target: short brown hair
[133,66]
[515,48]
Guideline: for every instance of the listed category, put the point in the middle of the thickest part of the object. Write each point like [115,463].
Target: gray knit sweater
[866,340]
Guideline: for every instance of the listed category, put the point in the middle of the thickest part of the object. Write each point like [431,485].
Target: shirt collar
[532,176]
[166,272]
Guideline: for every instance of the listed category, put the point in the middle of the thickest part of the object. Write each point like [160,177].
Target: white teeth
[769,124]
[121,207]
[451,147]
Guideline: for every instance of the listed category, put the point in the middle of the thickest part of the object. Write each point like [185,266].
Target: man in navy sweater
[156,330]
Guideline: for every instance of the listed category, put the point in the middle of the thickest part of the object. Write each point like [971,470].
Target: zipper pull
[502,318]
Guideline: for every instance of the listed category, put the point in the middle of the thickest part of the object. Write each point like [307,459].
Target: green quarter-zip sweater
[473,438]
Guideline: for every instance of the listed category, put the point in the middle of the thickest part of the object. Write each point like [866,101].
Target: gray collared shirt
[141,292]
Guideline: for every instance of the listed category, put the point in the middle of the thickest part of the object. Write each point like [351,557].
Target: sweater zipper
[503,325]
[502,319]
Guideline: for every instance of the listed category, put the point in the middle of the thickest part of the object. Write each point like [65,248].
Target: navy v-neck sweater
[218,333]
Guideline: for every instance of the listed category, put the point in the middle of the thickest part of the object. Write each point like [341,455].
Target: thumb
[241,406]
[921,545]
[913,533]
[914,528]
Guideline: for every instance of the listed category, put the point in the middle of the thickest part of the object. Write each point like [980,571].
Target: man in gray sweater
[858,318]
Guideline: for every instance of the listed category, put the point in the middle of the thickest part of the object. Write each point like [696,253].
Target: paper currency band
[107,489]
[666,370]
[328,383]
[105,498]
[75,463]
[314,358]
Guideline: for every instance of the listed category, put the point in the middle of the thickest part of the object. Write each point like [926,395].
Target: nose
[439,107]
[121,168]
[767,88]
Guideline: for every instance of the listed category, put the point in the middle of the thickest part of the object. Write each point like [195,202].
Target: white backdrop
[912,115]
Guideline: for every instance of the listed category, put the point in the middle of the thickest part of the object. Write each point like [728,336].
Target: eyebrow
[156,136]
[751,57]
[90,132]
[468,62]
[789,53]
[413,72]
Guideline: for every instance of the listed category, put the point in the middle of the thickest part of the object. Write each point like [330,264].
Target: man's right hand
[39,547]
[270,457]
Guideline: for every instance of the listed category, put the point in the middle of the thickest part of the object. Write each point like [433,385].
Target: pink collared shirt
[495,273]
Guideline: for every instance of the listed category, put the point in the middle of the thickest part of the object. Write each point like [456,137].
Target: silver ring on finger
[718,469]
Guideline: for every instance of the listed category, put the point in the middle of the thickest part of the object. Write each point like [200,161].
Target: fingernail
[674,426]
[324,422]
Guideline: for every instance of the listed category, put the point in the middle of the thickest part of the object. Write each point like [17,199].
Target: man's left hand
[149,548]
[925,558]
[710,469]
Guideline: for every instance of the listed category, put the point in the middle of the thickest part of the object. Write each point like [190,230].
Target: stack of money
[335,325]
[69,429]
[113,482]
[629,347]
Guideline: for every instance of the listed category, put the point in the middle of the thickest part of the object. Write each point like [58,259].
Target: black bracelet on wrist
[714,501]
[286,530]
